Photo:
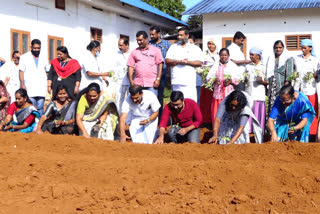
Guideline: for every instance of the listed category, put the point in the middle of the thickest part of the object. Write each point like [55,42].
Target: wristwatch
[158,78]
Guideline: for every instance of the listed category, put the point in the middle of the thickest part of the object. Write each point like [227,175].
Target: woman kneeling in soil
[59,117]
[26,114]
[231,124]
[97,114]
[293,114]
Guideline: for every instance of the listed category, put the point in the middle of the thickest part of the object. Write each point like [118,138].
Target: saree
[66,113]
[4,106]
[291,116]
[229,126]
[22,115]
[277,80]
[91,122]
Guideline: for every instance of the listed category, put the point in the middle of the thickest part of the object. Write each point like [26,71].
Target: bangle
[149,121]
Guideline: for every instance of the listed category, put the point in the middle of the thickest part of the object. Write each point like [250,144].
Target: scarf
[64,72]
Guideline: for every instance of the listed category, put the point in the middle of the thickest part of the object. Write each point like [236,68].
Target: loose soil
[70,174]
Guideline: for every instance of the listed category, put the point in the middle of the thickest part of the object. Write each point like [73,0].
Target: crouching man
[186,119]
[143,108]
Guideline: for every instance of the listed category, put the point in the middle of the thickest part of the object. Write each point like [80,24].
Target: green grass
[166,95]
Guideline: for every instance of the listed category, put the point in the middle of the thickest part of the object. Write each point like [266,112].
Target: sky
[189,4]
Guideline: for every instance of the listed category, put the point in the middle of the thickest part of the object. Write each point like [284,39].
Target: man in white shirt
[9,74]
[184,59]
[143,106]
[237,56]
[121,72]
[32,75]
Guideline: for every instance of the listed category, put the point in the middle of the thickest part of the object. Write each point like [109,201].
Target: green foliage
[195,22]
[172,7]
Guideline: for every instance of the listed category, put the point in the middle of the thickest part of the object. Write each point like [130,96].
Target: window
[226,41]
[61,4]
[53,43]
[293,41]
[96,34]
[20,41]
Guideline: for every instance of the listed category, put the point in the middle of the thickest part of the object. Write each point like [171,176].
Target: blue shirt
[164,45]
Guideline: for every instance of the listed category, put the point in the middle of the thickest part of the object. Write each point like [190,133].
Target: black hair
[224,49]
[64,50]
[186,31]
[125,40]
[134,89]
[156,28]
[35,41]
[143,33]
[191,36]
[277,43]
[23,93]
[2,84]
[14,52]
[238,35]
[93,87]
[93,44]
[176,95]
[238,96]
[60,87]
[288,90]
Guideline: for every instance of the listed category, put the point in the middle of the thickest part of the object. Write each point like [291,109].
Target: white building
[262,22]
[74,23]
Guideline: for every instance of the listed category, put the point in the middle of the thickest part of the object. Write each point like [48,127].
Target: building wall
[41,18]
[263,28]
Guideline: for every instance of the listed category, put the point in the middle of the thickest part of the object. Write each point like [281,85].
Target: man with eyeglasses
[9,74]
[186,120]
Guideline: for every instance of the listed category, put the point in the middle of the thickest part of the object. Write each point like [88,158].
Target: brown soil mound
[67,174]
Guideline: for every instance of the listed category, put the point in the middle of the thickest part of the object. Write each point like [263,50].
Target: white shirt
[35,78]
[304,66]
[237,55]
[89,63]
[184,74]
[10,70]
[148,106]
[257,90]
[122,68]
[210,59]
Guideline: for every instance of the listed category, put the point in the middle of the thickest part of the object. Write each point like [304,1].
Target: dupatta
[70,68]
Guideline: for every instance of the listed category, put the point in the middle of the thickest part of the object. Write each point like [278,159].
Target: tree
[172,7]
[194,22]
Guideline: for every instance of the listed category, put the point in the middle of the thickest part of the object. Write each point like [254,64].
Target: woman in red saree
[64,71]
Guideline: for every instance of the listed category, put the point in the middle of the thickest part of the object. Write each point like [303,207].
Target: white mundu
[121,70]
[149,105]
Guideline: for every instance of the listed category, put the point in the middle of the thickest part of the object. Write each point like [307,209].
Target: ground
[70,174]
